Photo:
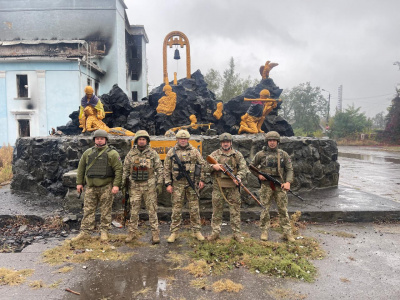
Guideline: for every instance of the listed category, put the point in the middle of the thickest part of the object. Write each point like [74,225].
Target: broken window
[134,75]
[22,86]
[24,128]
[89,81]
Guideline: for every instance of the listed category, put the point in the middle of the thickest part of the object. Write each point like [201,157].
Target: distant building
[50,50]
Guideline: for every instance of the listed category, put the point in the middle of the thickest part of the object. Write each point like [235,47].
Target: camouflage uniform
[105,173]
[224,184]
[189,156]
[142,186]
[267,161]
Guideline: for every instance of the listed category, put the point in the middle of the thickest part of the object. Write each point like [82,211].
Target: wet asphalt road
[366,266]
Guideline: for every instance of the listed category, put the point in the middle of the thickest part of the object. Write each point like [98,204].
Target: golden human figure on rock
[90,100]
[253,119]
[167,103]
[218,112]
[93,123]
[193,124]
[265,69]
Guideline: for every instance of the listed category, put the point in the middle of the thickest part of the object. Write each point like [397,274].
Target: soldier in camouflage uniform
[225,189]
[143,169]
[100,168]
[278,164]
[190,157]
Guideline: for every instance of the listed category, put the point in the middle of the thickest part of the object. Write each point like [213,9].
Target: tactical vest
[141,168]
[100,168]
[232,161]
[270,163]
[188,159]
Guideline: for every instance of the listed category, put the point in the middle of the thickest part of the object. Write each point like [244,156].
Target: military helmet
[141,133]
[100,133]
[225,137]
[183,134]
[273,135]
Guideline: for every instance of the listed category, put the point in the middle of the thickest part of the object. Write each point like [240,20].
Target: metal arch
[181,41]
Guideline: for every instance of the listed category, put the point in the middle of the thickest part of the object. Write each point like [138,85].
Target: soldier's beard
[141,148]
[226,148]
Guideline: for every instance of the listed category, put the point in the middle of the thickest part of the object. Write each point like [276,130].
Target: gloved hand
[159,189]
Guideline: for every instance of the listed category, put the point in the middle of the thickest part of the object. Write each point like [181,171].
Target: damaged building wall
[51,38]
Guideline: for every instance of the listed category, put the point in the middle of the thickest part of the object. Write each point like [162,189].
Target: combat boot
[172,237]
[213,237]
[81,236]
[155,237]
[264,235]
[131,236]
[289,237]
[198,236]
[104,236]
[238,238]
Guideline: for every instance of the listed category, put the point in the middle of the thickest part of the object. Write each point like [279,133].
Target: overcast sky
[353,43]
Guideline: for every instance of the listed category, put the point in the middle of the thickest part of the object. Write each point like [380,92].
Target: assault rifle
[193,126]
[228,171]
[184,173]
[125,202]
[272,179]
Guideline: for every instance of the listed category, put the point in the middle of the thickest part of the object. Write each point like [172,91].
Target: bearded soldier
[226,189]
[100,168]
[143,169]
[183,159]
[278,164]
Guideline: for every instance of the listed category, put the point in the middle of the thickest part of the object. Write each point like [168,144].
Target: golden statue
[167,103]
[93,123]
[193,124]
[264,70]
[90,100]
[253,119]
[218,112]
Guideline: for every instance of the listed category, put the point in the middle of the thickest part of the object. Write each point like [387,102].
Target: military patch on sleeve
[289,160]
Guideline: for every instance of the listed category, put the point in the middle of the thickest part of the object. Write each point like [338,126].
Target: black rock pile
[193,98]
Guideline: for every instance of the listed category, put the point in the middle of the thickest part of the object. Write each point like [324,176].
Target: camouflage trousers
[280,196]
[97,197]
[178,197]
[147,191]
[218,201]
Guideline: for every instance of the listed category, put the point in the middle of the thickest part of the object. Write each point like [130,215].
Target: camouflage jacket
[235,160]
[148,158]
[113,160]
[190,157]
[267,161]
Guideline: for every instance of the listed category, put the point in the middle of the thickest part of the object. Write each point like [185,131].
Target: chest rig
[188,163]
[270,163]
[141,168]
[98,166]
[231,160]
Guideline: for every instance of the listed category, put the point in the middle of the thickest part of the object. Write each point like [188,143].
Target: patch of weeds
[12,277]
[277,259]
[226,285]
[37,284]
[198,268]
[141,292]
[65,269]
[200,283]
[177,260]
[285,294]
[6,154]
[55,284]
[89,249]
[295,223]
[344,234]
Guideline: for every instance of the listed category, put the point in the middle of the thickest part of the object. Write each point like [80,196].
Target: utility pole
[340,93]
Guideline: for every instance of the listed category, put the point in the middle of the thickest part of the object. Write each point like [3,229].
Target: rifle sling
[222,192]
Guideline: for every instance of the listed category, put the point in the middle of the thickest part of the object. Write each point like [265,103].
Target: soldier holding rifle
[225,188]
[278,164]
[182,169]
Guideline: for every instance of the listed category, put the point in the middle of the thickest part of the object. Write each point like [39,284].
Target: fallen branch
[73,292]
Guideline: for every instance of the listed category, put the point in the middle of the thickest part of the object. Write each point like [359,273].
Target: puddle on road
[370,158]
[147,280]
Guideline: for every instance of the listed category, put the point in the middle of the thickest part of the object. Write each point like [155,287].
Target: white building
[50,50]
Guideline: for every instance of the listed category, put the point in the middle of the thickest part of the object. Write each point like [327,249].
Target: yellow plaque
[162,147]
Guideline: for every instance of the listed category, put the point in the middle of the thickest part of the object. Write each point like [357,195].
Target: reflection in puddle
[126,280]
[370,158]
